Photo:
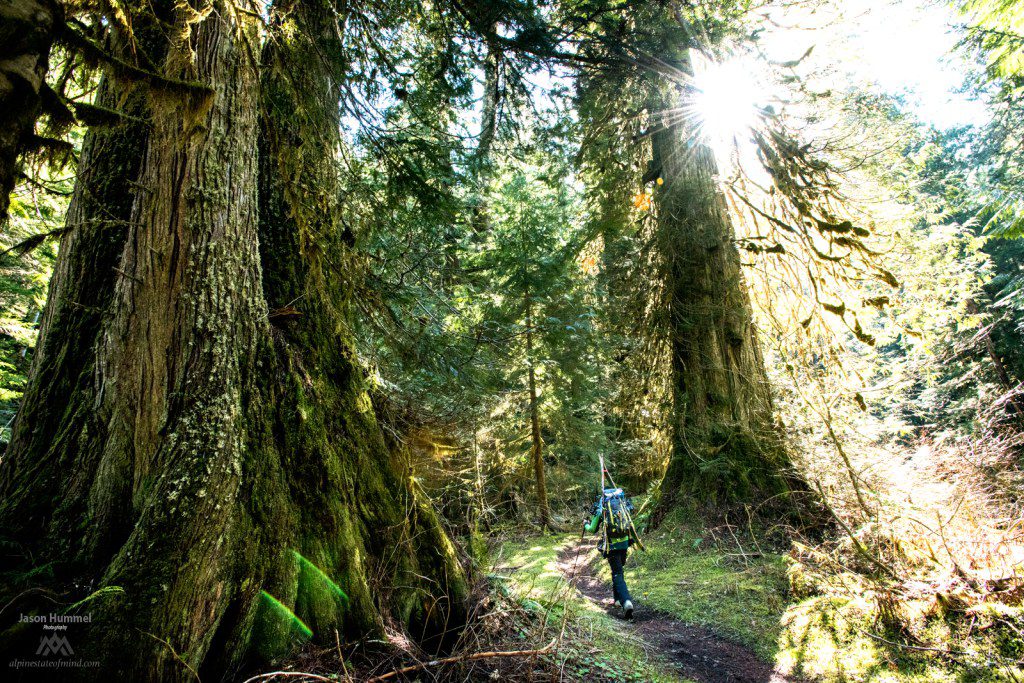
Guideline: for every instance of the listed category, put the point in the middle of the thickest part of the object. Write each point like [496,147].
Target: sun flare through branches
[725,102]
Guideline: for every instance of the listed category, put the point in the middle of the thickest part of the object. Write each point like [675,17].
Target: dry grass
[924,579]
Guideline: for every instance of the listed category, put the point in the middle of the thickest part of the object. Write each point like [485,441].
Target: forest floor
[724,632]
[697,652]
[714,610]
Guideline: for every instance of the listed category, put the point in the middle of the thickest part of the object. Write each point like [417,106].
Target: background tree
[530,259]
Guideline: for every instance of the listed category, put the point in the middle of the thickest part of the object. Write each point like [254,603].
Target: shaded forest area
[318,317]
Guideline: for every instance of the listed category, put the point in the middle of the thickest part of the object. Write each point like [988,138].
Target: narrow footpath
[698,653]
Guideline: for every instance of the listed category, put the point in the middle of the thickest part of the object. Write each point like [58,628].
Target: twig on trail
[750,528]
[461,658]
[743,554]
[175,653]
[315,677]
[952,654]
[575,560]
[341,657]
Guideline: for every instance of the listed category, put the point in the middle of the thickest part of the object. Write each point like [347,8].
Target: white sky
[905,46]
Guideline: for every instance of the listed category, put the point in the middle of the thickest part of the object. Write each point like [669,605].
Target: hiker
[612,509]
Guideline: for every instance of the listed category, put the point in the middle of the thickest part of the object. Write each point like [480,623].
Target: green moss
[529,570]
[740,598]
[836,638]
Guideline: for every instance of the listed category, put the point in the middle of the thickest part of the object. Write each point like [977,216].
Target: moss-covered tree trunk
[56,436]
[231,492]
[351,493]
[725,446]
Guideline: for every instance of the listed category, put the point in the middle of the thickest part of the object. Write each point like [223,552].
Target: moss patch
[602,650]
[838,638]
[742,598]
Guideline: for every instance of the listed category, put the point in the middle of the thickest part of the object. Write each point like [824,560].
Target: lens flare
[725,103]
[289,617]
[316,572]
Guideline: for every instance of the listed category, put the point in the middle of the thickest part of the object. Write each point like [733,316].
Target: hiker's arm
[594,524]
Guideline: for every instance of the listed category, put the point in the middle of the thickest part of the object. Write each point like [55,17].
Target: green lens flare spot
[320,574]
[278,608]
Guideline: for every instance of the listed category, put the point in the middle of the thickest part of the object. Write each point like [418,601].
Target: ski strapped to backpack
[616,508]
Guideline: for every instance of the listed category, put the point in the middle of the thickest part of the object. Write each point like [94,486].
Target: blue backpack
[614,507]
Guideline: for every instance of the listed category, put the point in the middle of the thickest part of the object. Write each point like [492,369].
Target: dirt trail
[697,652]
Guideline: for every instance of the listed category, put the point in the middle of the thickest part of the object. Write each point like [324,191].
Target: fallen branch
[463,658]
[857,545]
[955,655]
[286,674]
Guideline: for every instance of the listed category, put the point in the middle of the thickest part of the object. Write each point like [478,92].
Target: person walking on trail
[611,510]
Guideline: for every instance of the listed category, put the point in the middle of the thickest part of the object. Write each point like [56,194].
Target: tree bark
[489,114]
[537,444]
[1009,387]
[238,495]
[346,478]
[27,31]
[481,162]
[56,436]
[725,446]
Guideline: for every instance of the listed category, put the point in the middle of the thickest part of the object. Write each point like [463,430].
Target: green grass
[741,598]
[744,596]
[603,648]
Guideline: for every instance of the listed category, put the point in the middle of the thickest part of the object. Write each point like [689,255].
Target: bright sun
[725,102]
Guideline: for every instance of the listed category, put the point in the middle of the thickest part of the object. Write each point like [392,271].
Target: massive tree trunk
[232,492]
[725,445]
[53,455]
[351,489]
[27,30]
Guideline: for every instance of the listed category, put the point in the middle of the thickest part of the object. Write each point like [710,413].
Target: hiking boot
[618,604]
[627,609]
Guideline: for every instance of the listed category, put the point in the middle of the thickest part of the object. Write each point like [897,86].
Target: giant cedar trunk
[237,492]
[351,492]
[56,436]
[725,447]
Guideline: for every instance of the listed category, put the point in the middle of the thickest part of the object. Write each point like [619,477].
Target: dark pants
[616,560]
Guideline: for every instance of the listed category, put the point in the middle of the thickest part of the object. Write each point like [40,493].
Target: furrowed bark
[343,476]
[725,446]
[56,438]
[238,495]
[175,364]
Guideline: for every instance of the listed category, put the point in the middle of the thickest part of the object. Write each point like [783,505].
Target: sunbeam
[725,102]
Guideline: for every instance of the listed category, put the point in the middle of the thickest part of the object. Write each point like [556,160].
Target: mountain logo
[54,644]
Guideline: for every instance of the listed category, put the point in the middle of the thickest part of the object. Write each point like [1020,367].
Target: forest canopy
[324,323]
